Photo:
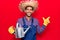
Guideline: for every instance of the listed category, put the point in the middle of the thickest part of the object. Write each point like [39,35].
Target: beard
[28,14]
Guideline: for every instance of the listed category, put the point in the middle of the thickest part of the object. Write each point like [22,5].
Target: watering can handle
[27,30]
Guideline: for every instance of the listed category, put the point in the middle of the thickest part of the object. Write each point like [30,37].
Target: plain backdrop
[9,14]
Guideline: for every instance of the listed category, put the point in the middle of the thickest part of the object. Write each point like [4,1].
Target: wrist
[44,24]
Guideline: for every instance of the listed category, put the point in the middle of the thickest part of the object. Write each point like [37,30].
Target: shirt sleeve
[19,21]
[39,28]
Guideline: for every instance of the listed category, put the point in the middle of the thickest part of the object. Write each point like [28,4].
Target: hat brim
[34,4]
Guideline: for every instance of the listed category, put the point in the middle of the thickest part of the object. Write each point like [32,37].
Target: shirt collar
[26,18]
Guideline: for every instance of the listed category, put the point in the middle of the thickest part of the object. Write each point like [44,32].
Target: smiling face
[29,10]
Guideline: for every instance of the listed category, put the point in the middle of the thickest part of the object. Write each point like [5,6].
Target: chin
[28,15]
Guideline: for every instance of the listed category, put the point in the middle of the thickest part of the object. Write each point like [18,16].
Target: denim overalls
[31,34]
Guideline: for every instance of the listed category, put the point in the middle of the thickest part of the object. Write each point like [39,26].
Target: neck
[28,18]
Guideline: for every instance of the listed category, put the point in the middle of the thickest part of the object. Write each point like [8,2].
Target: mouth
[28,14]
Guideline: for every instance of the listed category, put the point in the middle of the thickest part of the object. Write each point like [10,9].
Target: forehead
[29,7]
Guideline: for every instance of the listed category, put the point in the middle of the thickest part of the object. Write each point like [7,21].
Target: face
[28,11]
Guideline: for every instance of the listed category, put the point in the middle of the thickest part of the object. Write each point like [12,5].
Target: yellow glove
[46,21]
[11,30]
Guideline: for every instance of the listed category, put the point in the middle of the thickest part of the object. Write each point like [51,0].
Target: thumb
[48,18]
[43,18]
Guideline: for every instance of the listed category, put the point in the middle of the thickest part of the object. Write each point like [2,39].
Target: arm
[45,23]
[12,29]
[40,29]
[18,24]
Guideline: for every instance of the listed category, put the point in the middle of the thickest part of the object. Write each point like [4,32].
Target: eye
[30,9]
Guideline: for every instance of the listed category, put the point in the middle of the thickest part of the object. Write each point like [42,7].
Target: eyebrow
[29,6]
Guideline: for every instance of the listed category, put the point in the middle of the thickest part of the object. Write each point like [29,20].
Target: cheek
[25,11]
[32,11]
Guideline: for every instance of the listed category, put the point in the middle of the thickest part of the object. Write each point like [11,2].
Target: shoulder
[35,20]
[19,20]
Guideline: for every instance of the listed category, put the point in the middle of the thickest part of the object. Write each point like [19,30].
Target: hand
[11,29]
[46,21]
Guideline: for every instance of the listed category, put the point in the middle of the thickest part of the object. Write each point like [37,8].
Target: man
[29,7]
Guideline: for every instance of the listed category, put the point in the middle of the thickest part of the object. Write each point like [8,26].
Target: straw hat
[25,3]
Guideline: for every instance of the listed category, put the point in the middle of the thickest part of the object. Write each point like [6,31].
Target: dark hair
[29,6]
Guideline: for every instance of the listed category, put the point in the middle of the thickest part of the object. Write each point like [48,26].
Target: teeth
[29,14]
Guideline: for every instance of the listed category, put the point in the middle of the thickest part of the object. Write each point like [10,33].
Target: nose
[29,10]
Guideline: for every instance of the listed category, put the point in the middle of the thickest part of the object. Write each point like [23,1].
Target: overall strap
[23,21]
[32,21]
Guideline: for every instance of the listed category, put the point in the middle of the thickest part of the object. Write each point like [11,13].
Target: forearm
[41,29]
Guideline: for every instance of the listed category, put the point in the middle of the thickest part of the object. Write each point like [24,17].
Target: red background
[9,13]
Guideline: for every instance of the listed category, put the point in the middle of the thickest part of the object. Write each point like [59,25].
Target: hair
[29,6]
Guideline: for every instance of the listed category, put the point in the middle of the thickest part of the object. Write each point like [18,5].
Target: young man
[28,7]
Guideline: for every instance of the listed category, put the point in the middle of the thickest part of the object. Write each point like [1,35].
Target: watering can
[21,33]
